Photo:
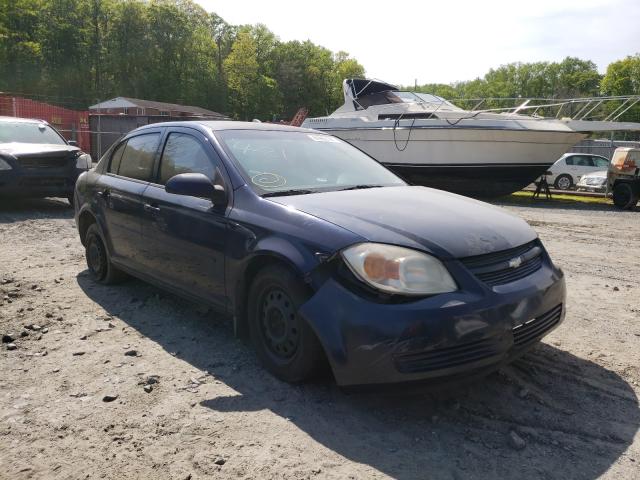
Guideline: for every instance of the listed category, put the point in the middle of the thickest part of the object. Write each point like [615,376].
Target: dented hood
[446,224]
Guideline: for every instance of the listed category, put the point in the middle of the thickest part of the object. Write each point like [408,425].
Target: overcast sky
[447,41]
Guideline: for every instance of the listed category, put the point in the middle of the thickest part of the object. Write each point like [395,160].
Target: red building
[72,124]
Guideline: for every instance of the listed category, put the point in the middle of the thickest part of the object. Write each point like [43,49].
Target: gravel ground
[131,382]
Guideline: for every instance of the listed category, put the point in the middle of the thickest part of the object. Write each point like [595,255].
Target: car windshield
[27,132]
[301,162]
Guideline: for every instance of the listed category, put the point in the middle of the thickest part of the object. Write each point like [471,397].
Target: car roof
[22,120]
[585,154]
[219,125]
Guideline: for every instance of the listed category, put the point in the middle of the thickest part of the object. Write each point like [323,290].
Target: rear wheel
[625,196]
[563,182]
[98,261]
[285,344]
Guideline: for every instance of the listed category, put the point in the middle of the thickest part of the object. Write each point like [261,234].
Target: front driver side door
[187,234]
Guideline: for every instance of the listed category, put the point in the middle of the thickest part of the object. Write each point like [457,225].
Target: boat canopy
[362,93]
[360,87]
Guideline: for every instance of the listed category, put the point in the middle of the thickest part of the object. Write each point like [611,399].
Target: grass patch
[556,198]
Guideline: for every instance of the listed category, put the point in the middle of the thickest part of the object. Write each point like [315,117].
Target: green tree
[243,76]
[623,78]
[20,46]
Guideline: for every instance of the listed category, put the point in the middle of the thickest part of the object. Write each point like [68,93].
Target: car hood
[17,149]
[446,224]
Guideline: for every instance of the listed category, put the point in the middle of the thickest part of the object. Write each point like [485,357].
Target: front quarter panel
[261,229]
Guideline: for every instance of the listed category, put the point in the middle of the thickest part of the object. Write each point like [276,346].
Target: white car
[593,182]
[569,168]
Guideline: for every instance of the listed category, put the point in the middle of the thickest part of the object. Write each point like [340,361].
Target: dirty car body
[497,292]
[36,161]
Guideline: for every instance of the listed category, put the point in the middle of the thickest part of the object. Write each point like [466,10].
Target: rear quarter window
[138,156]
[116,156]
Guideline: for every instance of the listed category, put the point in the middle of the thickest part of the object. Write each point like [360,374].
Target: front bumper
[45,182]
[475,329]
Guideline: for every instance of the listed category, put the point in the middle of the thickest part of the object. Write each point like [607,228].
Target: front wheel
[98,261]
[625,197]
[285,344]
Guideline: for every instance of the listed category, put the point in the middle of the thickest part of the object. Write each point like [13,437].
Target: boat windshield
[388,97]
[424,98]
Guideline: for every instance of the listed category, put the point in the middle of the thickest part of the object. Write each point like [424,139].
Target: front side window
[278,161]
[27,132]
[569,160]
[601,162]
[184,154]
[138,155]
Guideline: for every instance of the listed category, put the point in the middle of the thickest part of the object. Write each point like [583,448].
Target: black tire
[563,182]
[284,342]
[98,261]
[625,197]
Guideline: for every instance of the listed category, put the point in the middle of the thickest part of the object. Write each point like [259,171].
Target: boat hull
[480,162]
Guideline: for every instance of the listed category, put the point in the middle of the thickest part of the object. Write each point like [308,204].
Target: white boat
[430,141]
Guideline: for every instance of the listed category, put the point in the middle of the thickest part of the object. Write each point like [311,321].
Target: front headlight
[400,270]
[83,162]
[4,165]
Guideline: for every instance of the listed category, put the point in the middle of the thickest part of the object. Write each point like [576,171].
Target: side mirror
[73,143]
[196,185]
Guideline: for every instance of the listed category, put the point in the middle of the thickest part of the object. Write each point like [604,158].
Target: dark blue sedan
[318,252]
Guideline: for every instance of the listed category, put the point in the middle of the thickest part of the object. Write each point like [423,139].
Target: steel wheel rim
[278,323]
[96,259]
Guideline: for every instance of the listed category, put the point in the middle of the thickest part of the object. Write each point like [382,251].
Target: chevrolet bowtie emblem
[515,262]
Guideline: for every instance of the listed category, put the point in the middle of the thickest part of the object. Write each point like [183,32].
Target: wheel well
[84,222]
[241,297]
[635,184]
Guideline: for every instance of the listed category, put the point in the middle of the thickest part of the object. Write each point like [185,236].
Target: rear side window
[137,157]
[583,161]
[184,154]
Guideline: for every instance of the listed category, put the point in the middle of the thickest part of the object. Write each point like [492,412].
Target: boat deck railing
[609,108]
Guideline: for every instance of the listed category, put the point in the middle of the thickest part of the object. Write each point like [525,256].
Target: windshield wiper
[360,187]
[283,193]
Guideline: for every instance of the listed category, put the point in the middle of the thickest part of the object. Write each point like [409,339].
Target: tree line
[84,51]
[570,78]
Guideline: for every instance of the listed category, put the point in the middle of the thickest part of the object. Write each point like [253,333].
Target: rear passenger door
[119,193]
[188,234]
[583,165]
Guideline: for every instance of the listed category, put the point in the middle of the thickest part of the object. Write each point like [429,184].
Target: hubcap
[279,323]
[564,183]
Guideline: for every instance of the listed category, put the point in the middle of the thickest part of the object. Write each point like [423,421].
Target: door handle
[150,208]
[104,194]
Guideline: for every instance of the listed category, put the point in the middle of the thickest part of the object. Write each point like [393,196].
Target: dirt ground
[191,401]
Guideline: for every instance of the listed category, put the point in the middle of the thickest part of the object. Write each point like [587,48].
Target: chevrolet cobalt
[318,252]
